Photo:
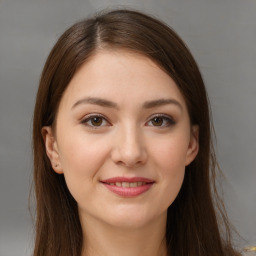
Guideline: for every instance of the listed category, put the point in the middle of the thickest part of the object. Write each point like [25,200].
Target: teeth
[125,184]
[133,184]
[128,184]
[119,184]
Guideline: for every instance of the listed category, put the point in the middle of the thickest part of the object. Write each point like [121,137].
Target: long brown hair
[197,215]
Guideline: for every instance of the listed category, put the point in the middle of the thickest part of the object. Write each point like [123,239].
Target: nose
[129,149]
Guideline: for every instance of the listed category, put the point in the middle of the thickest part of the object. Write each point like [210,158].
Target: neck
[103,239]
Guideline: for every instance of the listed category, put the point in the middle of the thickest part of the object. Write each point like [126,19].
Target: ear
[51,148]
[193,146]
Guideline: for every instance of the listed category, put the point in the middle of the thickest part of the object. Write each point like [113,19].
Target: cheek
[80,152]
[81,159]
[171,166]
[169,161]
[170,153]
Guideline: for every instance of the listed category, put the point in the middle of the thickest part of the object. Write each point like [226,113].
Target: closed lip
[127,179]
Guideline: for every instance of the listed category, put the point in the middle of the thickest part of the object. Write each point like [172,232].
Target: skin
[128,142]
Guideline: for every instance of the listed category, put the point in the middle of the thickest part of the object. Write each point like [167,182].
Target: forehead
[122,76]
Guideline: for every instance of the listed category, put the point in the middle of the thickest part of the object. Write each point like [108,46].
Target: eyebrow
[96,101]
[111,104]
[161,102]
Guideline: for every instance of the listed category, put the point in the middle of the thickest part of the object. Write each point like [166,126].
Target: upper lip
[126,179]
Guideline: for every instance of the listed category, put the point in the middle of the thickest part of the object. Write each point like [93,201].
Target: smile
[127,184]
[128,187]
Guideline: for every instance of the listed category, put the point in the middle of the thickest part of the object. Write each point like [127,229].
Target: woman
[123,158]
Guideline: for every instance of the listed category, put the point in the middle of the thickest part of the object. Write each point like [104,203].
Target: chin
[131,222]
[134,219]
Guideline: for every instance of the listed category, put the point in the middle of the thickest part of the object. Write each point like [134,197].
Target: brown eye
[157,121]
[161,121]
[96,121]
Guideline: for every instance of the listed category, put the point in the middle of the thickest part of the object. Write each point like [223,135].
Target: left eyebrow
[161,102]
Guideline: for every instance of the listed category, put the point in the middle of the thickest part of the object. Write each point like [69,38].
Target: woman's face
[122,140]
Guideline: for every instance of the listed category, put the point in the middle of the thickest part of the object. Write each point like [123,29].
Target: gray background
[221,35]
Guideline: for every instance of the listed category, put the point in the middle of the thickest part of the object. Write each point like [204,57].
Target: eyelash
[90,117]
[169,121]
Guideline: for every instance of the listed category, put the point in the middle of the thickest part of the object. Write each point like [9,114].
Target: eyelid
[170,119]
[88,117]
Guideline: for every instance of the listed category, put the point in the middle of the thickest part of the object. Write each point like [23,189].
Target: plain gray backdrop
[222,37]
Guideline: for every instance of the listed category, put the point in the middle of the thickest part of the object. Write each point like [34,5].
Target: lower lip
[129,192]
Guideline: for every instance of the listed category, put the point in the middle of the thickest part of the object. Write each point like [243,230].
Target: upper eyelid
[103,116]
[93,115]
[161,115]
[89,116]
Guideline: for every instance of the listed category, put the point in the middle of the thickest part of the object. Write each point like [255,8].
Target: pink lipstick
[128,187]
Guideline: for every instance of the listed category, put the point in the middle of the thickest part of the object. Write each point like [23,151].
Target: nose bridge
[129,148]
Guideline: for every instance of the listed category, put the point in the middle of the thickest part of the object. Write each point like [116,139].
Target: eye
[161,120]
[95,121]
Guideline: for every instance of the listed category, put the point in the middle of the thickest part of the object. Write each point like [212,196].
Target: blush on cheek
[175,183]
[83,158]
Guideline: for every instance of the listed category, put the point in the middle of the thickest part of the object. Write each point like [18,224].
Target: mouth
[128,187]
[127,184]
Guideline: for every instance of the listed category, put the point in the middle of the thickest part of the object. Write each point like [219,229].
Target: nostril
[129,153]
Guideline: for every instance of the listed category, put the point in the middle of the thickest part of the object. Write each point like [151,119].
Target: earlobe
[193,147]
[51,148]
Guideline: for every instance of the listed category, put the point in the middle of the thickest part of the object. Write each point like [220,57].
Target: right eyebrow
[96,101]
